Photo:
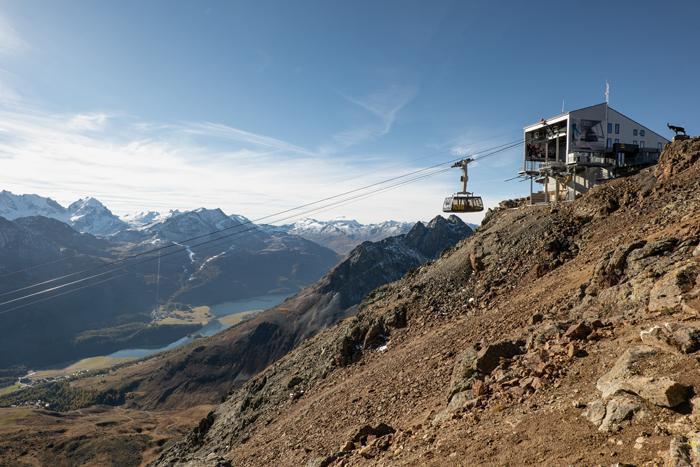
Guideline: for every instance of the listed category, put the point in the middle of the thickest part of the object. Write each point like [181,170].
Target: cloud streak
[134,165]
[10,42]
[384,104]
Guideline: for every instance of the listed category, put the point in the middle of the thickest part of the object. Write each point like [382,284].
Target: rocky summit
[564,334]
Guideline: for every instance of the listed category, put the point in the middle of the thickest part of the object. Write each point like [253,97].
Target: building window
[641,132]
[608,143]
[617,141]
[634,132]
[659,146]
[641,144]
[634,142]
[617,128]
[609,127]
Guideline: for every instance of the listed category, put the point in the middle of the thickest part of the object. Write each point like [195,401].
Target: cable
[192,247]
[496,150]
[121,260]
[385,168]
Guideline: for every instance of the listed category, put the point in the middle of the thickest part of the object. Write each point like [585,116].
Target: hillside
[562,335]
[166,391]
[202,373]
[115,312]
[555,335]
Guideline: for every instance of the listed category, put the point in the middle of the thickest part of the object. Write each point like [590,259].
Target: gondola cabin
[463,202]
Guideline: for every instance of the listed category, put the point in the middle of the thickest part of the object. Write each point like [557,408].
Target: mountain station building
[575,151]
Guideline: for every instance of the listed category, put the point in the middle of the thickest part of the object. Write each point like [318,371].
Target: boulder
[674,336]
[623,366]
[578,331]
[679,453]
[459,402]
[463,373]
[490,356]
[596,412]
[661,391]
[685,338]
[617,410]
[653,248]
[668,291]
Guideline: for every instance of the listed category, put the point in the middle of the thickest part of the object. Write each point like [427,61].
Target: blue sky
[259,106]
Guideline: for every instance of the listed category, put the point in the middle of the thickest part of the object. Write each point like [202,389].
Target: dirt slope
[532,342]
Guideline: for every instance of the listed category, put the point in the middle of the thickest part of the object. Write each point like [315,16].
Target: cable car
[463,201]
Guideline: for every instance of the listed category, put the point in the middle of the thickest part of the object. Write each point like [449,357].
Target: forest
[60,397]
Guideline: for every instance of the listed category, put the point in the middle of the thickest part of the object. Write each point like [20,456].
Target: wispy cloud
[383,104]
[233,134]
[386,103]
[10,42]
[135,165]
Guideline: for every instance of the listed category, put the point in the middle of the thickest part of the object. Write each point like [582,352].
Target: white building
[573,152]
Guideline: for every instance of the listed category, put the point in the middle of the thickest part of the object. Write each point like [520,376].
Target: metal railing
[588,158]
[641,158]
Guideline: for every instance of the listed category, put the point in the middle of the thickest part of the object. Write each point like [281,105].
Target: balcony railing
[588,158]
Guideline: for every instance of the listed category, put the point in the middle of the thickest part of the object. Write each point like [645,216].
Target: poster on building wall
[586,135]
[586,132]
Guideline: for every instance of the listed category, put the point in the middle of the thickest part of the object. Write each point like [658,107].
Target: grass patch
[9,389]
[181,321]
[230,320]
[93,363]
[198,314]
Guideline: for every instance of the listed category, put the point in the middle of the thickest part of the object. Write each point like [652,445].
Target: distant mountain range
[85,215]
[341,235]
[91,216]
[208,257]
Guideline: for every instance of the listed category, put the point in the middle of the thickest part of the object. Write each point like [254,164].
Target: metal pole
[465,178]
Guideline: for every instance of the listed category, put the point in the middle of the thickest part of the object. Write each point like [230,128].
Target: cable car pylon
[463,201]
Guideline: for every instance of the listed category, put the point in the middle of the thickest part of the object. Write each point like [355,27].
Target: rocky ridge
[557,335]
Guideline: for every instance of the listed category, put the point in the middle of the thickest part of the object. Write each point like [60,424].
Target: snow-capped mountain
[340,234]
[14,206]
[241,219]
[192,224]
[197,227]
[89,215]
[349,227]
[142,218]
[84,215]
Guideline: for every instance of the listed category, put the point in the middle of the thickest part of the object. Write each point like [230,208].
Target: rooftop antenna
[607,102]
[562,106]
